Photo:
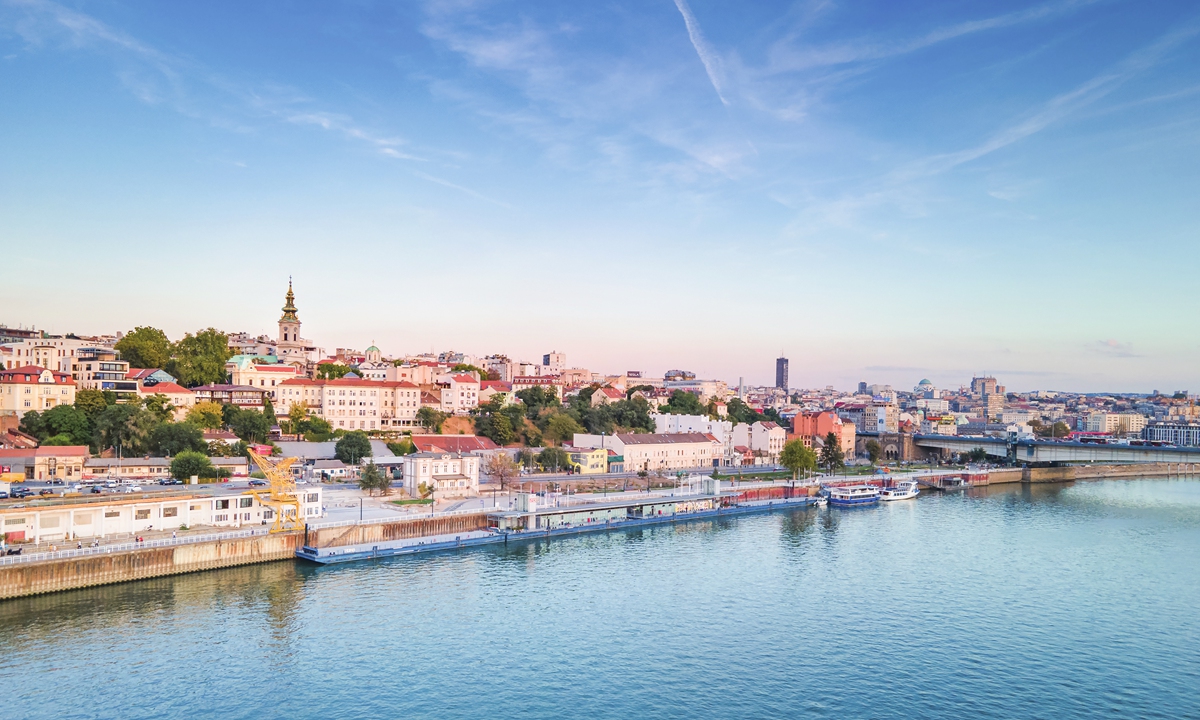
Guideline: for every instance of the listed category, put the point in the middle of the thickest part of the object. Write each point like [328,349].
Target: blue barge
[522,526]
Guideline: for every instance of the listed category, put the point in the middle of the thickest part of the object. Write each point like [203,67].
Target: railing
[398,517]
[122,547]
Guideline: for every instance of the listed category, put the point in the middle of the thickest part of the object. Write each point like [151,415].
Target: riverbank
[34,578]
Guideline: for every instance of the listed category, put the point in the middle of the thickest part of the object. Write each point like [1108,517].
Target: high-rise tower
[781,373]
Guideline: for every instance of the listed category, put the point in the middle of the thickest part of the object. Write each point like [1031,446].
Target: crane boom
[280,494]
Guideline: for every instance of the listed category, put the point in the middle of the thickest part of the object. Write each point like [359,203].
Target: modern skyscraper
[781,373]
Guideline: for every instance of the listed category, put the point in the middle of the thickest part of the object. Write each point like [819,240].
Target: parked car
[133,488]
[3,494]
[45,491]
[258,483]
[13,551]
[20,492]
[96,490]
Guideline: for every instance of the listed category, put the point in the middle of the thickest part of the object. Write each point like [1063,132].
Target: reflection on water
[1006,601]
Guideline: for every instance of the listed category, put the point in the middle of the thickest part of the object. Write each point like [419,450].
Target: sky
[882,191]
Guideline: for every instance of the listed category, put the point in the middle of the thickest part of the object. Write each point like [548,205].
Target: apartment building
[34,388]
[1115,423]
[353,403]
[657,451]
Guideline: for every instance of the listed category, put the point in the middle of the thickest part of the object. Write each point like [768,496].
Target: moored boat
[853,495]
[903,490]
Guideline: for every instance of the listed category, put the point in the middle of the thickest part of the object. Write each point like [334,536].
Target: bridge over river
[1053,451]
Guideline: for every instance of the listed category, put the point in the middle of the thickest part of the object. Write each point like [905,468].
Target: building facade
[450,475]
[34,388]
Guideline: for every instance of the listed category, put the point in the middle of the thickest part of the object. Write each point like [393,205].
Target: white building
[722,430]
[450,474]
[1116,423]
[658,451]
[108,518]
[461,394]
[353,403]
[764,438]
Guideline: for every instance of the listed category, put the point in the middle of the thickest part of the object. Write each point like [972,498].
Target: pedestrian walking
[172,534]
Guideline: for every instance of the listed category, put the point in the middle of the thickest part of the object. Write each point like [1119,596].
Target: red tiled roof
[166,388]
[452,443]
[48,451]
[30,374]
[495,385]
[611,392]
[464,378]
[139,373]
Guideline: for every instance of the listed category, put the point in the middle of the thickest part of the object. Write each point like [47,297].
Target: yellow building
[589,461]
[34,388]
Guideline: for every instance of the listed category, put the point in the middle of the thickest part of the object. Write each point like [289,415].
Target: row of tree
[196,359]
[798,458]
[541,418]
[145,426]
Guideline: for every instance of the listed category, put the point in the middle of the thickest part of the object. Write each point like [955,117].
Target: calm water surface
[1048,602]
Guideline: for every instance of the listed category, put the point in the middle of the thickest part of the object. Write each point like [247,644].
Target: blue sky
[885,191]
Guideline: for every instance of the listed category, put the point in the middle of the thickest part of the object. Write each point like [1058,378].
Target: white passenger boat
[853,495]
[903,490]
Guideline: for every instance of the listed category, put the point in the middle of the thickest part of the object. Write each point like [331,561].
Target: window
[220,518]
[221,505]
[14,521]
[245,502]
[170,512]
[142,515]
[311,497]
[112,513]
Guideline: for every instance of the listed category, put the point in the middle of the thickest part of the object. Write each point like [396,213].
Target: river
[1054,601]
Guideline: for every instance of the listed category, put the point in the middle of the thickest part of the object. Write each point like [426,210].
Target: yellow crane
[280,493]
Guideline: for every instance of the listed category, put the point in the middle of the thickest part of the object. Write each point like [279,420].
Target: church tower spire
[289,309]
[289,326]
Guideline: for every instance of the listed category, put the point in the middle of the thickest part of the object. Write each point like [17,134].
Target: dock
[528,522]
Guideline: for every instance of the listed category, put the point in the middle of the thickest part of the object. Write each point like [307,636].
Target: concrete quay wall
[1090,472]
[103,569]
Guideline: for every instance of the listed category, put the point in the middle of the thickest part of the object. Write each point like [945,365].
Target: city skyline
[1003,191]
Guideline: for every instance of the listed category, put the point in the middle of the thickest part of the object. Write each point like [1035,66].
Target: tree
[739,412]
[251,425]
[682,402]
[562,427]
[431,419]
[501,468]
[91,402]
[70,421]
[353,447]
[31,424]
[874,450]
[206,415]
[268,411]
[189,463]
[145,347]
[200,358]
[332,371]
[977,455]
[466,368]
[297,414]
[60,439]
[553,458]
[159,406]
[173,438]
[403,447]
[832,457]
[372,478]
[536,399]
[797,457]
[126,427]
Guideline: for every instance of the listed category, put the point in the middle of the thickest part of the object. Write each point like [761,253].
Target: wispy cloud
[460,188]
[185,85]
[712,62]
[1114,349]
[785,56]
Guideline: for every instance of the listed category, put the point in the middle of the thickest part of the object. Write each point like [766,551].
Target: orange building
[809,426]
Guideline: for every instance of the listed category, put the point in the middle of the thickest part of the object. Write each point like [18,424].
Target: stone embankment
[1090,472]
[35,578]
